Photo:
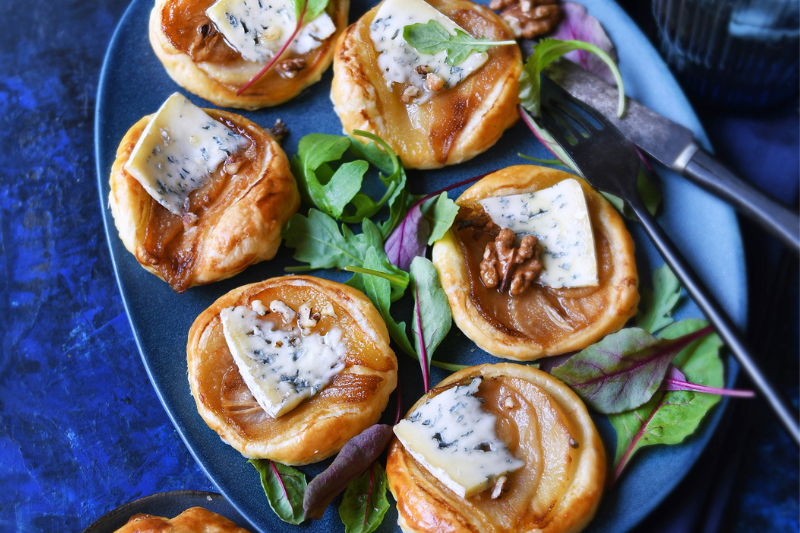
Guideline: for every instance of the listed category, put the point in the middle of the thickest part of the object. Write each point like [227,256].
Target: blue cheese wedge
[399,61]
[281,368]
[454,438]
[257,29]
[179,150]
[559,218]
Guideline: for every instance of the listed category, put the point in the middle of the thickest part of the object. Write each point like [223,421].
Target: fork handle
[710,174]
[718,318]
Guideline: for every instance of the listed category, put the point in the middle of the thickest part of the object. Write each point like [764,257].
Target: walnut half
[510,268]
[529,18]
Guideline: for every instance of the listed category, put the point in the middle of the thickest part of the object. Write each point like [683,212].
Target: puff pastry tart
[538,263]
[291,368]
[525,457]
[213,48]
[430,113]
[198,195]
[192,520]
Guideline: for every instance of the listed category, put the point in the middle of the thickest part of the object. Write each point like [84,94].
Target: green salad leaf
[658,303]
[285,487]
[669,417]
[365,503]
[547,51]
[333,184]
[432,317]
[432,37]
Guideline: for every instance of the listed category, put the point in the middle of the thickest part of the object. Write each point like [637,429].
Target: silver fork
[610,163]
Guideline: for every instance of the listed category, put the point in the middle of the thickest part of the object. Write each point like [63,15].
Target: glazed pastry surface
[453,126]
[192,520]
[543,321]
[201,61]
[233,221]
[546,425]
[320,425]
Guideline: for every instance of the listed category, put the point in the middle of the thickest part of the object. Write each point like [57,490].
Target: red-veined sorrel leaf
[354,458]
[669,417]
[364,503]
[622,371]
[676,380]
[284,487]
[577,25]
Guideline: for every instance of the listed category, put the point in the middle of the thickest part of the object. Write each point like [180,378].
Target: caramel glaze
[170,241]
[542,314]
[220,386]
[189,29]
[537,431]
[440,120]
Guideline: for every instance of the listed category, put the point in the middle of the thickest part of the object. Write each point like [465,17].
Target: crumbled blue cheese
[455,439]
[257,29]
[399,61]
[179,150]
[559,218]
[281,367]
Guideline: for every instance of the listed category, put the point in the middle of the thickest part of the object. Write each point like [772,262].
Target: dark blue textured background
[81,430]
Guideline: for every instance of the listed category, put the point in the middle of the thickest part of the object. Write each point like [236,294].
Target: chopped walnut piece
[505,266]
[289,68]
[423,70]
[327,310]
[279,131]
[307,319]
[205,40]
[434,83]
[286,312]
[529,18]
[259,307]
[498,487]
[234,164]
[409,93]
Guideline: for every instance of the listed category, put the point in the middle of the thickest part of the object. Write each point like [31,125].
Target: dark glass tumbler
[732,53]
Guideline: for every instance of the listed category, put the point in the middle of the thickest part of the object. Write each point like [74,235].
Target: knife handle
[710,174]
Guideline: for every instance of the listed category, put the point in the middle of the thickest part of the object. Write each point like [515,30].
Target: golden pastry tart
[543,320]
[545,425]
[233,221]
[320,425]
[197,56]
[192,520]
[454,125]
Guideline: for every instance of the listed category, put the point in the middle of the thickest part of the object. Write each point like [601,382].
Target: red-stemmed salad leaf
[578,25]
[622,371]
[676,380]
[669,417]
[355,457]
[284,487]
[365,503]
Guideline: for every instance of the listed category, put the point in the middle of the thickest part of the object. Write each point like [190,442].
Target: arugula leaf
[669,417]
[378,290]
[658,302]
[318,242]
[284,487]
[547,51]
[365,503]
[337,192]
[431,37]
[440,212]
[432,317]
[355,457]
[622,371]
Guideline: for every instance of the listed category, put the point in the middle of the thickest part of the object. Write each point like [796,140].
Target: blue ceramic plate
[133,83]
[168,504]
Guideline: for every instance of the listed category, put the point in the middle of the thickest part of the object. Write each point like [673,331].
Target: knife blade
[674,146]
